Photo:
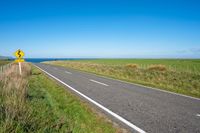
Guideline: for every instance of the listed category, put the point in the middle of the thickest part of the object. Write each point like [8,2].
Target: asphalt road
[149,110]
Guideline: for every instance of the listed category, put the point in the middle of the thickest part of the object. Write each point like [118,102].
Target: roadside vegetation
[33,103]
[176,75]
[4,62]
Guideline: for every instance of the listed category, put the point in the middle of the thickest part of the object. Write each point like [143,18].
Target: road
[138,108]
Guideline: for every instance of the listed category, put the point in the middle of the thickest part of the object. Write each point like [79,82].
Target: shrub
[134,66]
[158,67]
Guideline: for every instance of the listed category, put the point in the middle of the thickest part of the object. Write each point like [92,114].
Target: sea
[38,60]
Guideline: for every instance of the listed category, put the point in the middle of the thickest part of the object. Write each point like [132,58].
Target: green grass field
[176,75]
[34,103]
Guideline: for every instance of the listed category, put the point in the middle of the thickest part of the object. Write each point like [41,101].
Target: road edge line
[156,89]
[134,127]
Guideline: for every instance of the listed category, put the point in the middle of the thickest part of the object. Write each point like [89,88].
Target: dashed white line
[68,72]
[98,82]
[198,115]
[134,127]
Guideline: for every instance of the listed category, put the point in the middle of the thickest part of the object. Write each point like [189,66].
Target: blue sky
[101,28]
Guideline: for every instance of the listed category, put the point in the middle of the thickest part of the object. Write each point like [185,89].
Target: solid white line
[98,82]
[68,72]
[97,104]
[198,115]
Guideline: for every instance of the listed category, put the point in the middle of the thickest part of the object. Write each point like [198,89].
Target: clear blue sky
[101,28]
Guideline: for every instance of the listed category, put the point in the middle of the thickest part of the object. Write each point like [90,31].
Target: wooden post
[20,68]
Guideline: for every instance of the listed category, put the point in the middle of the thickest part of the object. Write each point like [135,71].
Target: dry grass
[13,95]
[158,67]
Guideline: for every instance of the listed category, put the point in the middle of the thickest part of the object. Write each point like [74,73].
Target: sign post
[19,54]
[20,68]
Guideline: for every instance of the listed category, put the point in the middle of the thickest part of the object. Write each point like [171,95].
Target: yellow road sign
[19,60]
[19,53]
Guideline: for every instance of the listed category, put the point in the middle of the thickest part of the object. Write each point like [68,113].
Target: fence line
[4,67]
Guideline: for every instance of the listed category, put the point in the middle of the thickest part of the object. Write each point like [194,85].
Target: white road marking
[68,72]
[198,115]
[134,127]
[98,82]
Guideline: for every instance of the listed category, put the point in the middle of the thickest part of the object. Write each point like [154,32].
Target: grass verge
[154,75]
[33,103]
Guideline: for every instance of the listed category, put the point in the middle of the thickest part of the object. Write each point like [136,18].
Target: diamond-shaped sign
[19,53]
